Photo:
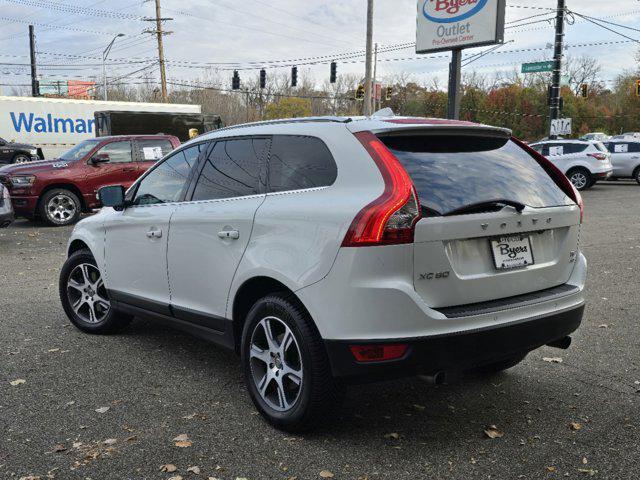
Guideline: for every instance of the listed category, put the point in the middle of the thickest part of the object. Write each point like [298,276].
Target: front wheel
[60,207]
[21,158]
[85,298]
[581,178]
[285,365]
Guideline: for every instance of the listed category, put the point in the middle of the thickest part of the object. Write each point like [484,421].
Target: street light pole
[104,68]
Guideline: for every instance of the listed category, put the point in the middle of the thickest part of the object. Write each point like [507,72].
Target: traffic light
[637,88]
[235,83]
[389,92]
[294,76]
[360,92]
[584,90]
[263,78]
[334,72]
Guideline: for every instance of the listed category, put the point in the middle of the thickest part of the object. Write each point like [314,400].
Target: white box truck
[56,124]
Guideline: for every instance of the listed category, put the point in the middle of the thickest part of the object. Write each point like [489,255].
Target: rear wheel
[85,298]
[60,207]
[21,158]
[285,364]
[636,175]
[581,178]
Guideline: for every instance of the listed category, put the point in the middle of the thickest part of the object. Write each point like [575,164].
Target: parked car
[330,251]
[11,152]
[58,191]
[597,137]
[6,210]
[584,163]
[625,158]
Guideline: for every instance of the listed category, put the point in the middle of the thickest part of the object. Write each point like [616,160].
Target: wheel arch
[67,186]
[248,294]
[76,245]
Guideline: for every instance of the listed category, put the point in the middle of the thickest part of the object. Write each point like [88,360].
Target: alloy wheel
[579,180]
[87,294]
[276,364]
[61,208]
[21,159]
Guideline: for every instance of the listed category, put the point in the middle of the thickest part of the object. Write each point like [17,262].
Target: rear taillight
[560,178]
[598,156]
[390,219]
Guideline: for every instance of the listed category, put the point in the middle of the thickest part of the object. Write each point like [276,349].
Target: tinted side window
[634,147]
[298,162]
[119,152]
[166,182]
[232,169]
[153,149]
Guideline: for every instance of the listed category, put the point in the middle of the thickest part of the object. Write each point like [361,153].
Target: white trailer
[56,124]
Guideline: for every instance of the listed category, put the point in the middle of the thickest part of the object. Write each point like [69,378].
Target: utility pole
[455,73]
[367,73]
[554,100]
[159,32]
[35,88]
[105,54]
[375,79]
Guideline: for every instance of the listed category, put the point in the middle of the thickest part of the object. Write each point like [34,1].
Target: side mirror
[112,196]
[100,158]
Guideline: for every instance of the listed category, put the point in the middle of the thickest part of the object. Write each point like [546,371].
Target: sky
[251,33]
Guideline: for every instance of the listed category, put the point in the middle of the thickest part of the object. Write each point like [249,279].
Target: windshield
[453,172]
[80,150]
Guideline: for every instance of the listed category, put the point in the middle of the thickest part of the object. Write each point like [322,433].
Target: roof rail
[290,120]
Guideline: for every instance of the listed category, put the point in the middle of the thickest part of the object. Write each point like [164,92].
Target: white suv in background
[584,163]
[329,251]
[625,158]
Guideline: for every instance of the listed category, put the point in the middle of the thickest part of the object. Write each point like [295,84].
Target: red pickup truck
[58,191]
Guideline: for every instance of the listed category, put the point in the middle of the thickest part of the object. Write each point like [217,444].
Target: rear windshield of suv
[454,172]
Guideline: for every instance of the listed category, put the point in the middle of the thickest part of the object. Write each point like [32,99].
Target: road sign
[561,126]
[537,67]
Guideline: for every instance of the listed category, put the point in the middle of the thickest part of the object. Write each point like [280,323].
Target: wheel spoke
[282,398]
[268,332]
[92,314]
[260,354]
[76,306]
[287,341]
[294,375]
[76,285]
[263,384]
[102,301]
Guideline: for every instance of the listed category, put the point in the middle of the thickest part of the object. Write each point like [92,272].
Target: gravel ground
[576,419]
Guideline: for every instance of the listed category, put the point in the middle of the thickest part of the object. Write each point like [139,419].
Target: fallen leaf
[552,359]
[102,409]
[604,325]
[584,460]
[419,407]
[551,469]
[493,432]
[195,470]
[588,471]
[182,441]
[326,474]
[394,435]
[53,350]
[575,426]
[19,381]
[169,468]
[177,477]
[59,448]
[110,441]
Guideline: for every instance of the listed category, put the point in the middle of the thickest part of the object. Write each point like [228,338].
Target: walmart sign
[31,123]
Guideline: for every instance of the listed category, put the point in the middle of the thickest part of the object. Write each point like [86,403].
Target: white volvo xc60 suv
[329,251]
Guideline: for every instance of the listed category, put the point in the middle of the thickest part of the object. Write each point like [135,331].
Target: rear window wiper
[489,205]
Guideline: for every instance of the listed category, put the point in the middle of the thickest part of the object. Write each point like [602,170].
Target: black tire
[59,207]
[108,321]
[581,178]
[21,158]
[319,393]
[636,175]
[500,366]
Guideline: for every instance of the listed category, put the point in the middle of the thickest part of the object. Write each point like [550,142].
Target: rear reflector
[378,353]
[598,156]
[560,178]
[390,219]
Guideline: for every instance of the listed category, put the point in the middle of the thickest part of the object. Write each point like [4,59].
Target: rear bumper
[454,352]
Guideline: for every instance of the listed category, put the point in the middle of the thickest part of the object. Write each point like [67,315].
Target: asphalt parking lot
[75,406]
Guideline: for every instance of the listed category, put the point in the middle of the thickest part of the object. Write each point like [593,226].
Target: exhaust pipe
[562,343]
[438,378]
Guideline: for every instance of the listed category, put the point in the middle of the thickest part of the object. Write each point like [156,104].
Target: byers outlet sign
[452,24]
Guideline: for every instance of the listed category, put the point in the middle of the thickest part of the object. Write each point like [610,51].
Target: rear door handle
[154,233]
[235,234]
